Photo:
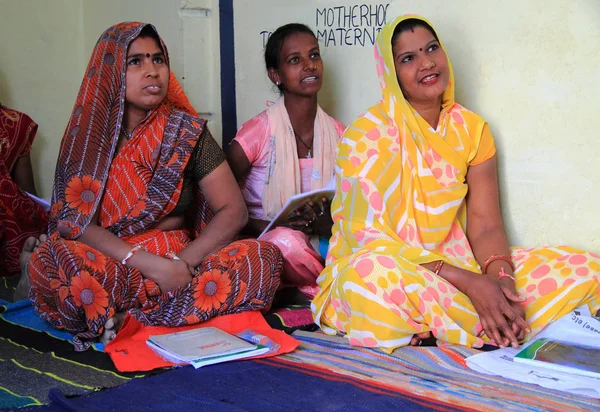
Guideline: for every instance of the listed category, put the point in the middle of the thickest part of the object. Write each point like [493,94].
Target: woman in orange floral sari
[144,206]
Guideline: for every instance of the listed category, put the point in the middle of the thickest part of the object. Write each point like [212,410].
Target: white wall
[530,68]
[349,70]
[40,55]
[46,45]
[189,28]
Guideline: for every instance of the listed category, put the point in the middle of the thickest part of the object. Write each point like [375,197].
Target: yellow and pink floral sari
[400,202]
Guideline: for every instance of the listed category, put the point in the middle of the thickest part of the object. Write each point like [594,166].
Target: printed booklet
[299,200]
[562,356]
[203,346]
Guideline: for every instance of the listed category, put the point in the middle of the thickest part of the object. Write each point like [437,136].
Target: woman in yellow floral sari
[403,262]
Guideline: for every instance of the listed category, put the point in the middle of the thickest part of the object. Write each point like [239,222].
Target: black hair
[150,32]
[275,43]
[409,25]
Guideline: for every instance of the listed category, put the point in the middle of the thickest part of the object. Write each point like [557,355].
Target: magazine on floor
[562,356]
[578,329]
[300,200]
[203,346]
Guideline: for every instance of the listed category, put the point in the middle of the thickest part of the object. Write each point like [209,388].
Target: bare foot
[111,327]
[31,244]
[418,339]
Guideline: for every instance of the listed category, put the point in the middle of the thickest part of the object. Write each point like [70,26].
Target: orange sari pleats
[77,288]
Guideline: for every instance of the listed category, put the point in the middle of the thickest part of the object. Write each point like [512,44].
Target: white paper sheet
[578,326]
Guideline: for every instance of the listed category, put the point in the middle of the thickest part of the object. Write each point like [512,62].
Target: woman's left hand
[313,219]
[516,302]
[491,299]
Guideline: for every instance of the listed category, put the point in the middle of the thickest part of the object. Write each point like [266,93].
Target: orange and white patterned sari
[77,288]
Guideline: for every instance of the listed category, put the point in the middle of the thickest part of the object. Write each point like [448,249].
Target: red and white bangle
[503,274]
[130,254]
[172,256]
[494,258]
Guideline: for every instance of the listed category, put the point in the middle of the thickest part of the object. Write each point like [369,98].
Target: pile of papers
[564,356]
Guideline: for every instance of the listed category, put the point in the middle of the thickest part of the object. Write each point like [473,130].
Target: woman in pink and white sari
[286,150]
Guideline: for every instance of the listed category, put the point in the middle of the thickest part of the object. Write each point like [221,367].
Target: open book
[299,200]
[562,356]
[203,346]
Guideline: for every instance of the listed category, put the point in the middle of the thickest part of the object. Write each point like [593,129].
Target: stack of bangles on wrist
[502,273]
[438,267]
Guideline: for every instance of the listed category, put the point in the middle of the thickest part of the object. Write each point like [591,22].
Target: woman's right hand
[170,274]
[312,218]
[516,302]
[300,219]
[496,314]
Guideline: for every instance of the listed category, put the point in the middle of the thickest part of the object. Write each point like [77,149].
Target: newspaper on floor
[578,327]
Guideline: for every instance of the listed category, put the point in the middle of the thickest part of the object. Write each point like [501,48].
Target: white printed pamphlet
[577,335]
[300,200]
